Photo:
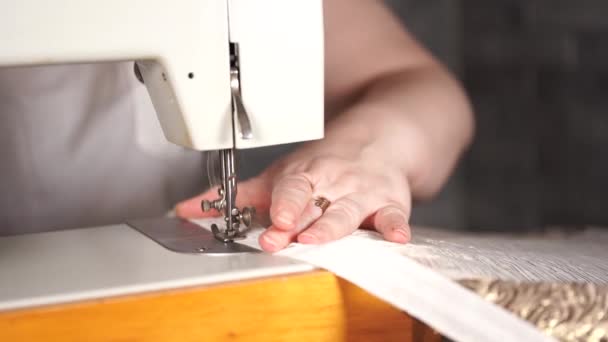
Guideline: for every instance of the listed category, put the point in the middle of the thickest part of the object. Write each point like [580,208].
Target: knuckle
[299,181]
[391,216]
[330,229]
[292,186]
[324,230]
[367,182]
[353,180]
[392,209]
[351,210]
[396,208]
[285,204]
[323,163]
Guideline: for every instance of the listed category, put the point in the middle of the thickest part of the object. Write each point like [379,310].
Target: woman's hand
[363,185]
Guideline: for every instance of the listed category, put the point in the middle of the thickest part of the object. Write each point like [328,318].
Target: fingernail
[308,238]
[401,235]
[270,241]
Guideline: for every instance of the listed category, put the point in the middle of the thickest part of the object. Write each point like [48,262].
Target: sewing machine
[222,75]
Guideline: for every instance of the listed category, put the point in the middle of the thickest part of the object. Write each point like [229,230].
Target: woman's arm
[384,81]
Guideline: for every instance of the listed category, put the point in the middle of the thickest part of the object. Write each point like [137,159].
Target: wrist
[380,135]
[422,118]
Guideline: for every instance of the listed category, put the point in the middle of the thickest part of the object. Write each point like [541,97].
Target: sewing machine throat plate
[183,236]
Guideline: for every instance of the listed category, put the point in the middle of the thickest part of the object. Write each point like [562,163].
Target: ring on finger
[322,203]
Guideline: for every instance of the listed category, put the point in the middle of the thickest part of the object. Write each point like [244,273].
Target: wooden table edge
[308,306]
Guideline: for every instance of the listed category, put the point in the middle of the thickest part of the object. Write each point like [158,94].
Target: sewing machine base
[92,263]
[186,237]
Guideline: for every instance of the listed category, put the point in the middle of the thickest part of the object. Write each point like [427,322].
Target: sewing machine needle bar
[230,191]
[233,217]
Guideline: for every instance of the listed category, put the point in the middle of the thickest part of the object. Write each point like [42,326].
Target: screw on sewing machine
[217,204]
[247,216]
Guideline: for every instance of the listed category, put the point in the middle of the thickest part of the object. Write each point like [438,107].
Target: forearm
[417,118]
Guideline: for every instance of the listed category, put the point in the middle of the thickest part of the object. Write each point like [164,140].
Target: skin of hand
[397,123]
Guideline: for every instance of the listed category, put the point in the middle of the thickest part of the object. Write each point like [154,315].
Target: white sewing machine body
[182,50]
[222,74]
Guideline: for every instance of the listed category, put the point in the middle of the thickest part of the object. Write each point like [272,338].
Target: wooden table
[310,306]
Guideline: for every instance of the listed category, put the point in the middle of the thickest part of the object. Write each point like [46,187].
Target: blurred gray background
[537,74]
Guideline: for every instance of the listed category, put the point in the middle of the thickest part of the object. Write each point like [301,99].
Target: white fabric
[378,267]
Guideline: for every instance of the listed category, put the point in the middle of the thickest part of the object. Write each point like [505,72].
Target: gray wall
[537,74]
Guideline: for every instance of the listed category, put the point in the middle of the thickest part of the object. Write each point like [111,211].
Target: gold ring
[322,203]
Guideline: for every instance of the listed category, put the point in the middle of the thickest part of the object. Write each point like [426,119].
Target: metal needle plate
[186,237]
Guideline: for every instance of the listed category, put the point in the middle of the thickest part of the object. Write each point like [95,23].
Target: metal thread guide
[227,191]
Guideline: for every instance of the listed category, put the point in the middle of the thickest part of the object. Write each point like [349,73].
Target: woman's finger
[290,197]
[342,217]
[275,239]
[392,222]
